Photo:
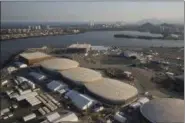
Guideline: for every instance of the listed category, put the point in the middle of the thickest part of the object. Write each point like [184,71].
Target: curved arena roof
[59,64]
[112,90]
[166,110]
[81,75]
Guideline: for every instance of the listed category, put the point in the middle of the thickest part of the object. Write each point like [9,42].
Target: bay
[105,38]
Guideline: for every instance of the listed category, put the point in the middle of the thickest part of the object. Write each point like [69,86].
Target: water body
[105,38]
[136,33]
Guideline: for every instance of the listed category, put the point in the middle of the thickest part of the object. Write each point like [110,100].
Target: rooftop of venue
[59,64]
[165,110]
[34,55]
[81,75]
[80,46]
[112,90]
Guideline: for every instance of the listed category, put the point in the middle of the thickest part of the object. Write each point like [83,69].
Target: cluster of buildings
[38,27]
[170,81]
[26,92]
[14,31]
[33,31]
[86,89]
[170,28]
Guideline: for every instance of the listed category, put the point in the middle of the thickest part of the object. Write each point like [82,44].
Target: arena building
[79,48]
[165,110]
[33,57]
[112,91]
[80,75]
[58,64]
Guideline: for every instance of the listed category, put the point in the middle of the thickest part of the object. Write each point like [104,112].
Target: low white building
[99,48]
[81,101]
[20,79]
[76,31]
[57,118]
[10,69]
[170,73]
[130,54]
[33,101]
[5,82]
[41,111]
[79,47]
[62,91]
[98,108]
[149,57]
[175,36]
[119,116]
[37,76]
[29,117]
[56,85]
[143,100]
[52,117]
[69,117]
[3,111]
[28,95]
[127,73]
[22,92]
[20,65]
[13,95]
[10,115]
[31,84]
[8,92]
[139,103]
[135,105]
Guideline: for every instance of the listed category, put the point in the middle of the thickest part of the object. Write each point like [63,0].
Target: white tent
[81,101]
[119,117]
[56,85]
[68,117]
[52,117]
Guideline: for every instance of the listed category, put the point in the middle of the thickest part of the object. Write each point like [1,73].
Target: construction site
[84,83]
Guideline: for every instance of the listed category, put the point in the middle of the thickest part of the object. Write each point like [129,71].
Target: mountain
[152,21]
[161,21]
[149,27]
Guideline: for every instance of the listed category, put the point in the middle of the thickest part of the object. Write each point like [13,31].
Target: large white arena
[165,110]
[81,75]
[108,90]
[59,64]
[112,91]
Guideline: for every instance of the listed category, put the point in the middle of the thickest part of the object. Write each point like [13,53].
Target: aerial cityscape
[92,62]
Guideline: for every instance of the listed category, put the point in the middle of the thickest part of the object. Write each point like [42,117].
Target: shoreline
[3,40]
[143,37]
[9,59]
[13,56]
[115,36]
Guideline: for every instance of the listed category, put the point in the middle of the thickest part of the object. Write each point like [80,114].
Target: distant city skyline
[91,11]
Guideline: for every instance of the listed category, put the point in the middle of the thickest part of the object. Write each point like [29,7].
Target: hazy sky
[90,11]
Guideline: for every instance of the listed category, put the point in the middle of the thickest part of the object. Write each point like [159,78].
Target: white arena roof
[87,46]
[59,64]
[165,110]
[112,90]
[34,55]
[81,75]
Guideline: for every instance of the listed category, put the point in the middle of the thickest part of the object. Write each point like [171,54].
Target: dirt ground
[143,76]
